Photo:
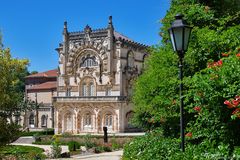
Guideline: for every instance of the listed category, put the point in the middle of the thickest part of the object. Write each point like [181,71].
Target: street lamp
[180,34]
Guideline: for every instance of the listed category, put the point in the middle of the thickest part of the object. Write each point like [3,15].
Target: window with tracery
[69,121]
[108,120]
[88,61]
[88,87]
[87,120]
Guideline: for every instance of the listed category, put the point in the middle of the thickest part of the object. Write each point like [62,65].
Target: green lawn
[24,152]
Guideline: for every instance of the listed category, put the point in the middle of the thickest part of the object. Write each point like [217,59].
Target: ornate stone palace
[95,75]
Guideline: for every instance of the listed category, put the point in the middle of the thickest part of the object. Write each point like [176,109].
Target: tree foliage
[12,102]
[156,95]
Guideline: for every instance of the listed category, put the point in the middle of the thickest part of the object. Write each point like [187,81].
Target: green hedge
[32,133]
[155,146]
[73,146]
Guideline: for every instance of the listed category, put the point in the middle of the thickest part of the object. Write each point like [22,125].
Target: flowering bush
[215,89]
[234,104]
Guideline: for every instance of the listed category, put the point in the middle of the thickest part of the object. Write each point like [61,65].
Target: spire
[87,31]
[65,31]
[65,24]
[110,25]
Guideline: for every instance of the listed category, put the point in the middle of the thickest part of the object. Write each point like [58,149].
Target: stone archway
[86,120]
[108,117]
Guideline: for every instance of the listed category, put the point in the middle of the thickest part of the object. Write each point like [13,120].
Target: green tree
[12,102]
[211,86]
[156,96]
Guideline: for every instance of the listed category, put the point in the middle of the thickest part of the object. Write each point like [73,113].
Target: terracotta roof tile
[44,86]
[50,73]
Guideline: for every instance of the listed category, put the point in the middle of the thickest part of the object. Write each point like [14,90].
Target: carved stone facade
[95,75]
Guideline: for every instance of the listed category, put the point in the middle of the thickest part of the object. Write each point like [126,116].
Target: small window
[44,121]
[31,120]
[108,92]
[68,93]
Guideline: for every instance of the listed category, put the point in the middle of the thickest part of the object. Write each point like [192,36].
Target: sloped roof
[50,73]
[45,86]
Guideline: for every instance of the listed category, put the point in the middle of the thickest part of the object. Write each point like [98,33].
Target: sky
[32,29]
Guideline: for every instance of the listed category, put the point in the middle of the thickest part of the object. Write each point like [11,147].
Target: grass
[21,152]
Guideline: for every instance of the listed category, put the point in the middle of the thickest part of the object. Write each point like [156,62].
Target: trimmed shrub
[73,145]
[32,133]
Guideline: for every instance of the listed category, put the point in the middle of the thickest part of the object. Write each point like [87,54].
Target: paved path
[25,140]
[116,155]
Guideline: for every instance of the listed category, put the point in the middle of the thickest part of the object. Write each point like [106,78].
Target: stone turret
[110,29]
[65,46]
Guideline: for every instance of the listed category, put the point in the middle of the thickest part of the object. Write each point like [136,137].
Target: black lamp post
[180,34]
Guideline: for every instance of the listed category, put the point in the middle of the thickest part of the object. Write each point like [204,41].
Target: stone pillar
[75,115]
[56,122]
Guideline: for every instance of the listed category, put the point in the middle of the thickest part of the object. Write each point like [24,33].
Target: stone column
[56,121]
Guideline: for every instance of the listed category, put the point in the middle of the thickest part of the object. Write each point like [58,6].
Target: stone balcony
[88,99]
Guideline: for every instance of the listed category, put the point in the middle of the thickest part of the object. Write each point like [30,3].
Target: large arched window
[108,121]
[88,87]
[88,61]
[68,122]
[87,120]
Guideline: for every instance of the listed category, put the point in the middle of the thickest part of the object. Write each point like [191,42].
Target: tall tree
[12,102]
[156,91]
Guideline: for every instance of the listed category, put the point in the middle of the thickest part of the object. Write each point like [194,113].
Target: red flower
[225,54]
[236,112]
[235,103]
[215,64]
[238,55]
[229,104]
[219,63]
[189,134]
[197,108]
